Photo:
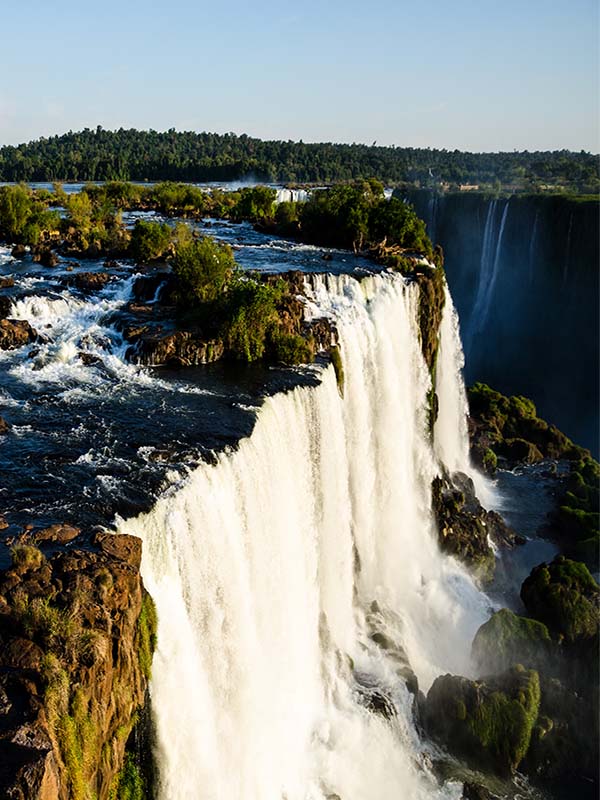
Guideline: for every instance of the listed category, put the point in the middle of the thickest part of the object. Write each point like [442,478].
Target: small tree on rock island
[203,268]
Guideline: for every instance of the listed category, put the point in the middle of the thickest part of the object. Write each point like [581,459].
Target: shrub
[203,269]
[26,556]
[150,240]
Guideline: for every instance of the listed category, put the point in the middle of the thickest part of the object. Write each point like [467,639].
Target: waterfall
[291,196]
[451,435]
[273,568]
[532,244]
[488,275]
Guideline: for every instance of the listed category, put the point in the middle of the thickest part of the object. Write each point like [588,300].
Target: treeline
[100,155]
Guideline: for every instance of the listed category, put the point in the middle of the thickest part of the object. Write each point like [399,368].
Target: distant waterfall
[273,568]
[291,196]
[490,261]
[533,244]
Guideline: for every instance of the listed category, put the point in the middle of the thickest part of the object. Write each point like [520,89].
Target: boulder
[6,282]
[487,722]
[19,251]
[5,306]
[4,426]
[15,333]
[46,257]
[507,639]
[564,596]
[90,281]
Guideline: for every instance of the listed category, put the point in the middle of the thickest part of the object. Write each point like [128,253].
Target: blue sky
[469,75]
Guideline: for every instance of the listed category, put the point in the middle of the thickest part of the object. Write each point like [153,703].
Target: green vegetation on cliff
[510,428]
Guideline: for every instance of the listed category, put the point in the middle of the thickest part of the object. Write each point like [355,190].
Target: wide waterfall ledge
[298,579]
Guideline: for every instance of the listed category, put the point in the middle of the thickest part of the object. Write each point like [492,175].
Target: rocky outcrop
[163,334]
[77,632]
[90,281]
[465,528]
[178,349]
[15,333]
[487,722]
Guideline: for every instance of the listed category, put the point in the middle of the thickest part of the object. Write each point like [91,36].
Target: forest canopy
[132,155]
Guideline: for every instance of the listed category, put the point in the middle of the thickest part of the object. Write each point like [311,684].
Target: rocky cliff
[523,272]
[77,632]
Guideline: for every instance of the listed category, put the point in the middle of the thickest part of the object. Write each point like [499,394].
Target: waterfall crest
[273,569]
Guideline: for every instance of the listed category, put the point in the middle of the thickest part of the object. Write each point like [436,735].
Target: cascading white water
[273,568]
[291,196]
[451,435]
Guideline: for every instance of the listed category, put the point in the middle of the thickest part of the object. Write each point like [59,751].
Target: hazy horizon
[472,76]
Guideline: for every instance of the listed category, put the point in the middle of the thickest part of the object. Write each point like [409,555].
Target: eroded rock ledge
[77,632]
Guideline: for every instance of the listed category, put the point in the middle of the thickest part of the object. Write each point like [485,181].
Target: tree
[203,268]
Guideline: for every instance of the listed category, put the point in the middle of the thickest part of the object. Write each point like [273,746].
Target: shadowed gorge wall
[523,272]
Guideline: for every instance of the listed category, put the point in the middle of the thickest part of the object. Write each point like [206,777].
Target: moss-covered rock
[507,639]
[77,631]
[487,722]
[432,298]
[564,596]
[510,427]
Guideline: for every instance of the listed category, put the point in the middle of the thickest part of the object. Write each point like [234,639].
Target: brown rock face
[76,639]
[15,333]
[180,348]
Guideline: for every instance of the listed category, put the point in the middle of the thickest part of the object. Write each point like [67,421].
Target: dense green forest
[96,155]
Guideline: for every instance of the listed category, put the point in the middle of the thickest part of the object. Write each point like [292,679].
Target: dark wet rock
[507,639]
[19,251]
[487,722]
[6,282]
[5,306]
[146,287]
[377,702]
[45,256]
[110,263]
[77,632]
[15,333]
[89,359]
[565,740]
[464,525]
[90,281]
[474,791]
[4,426]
